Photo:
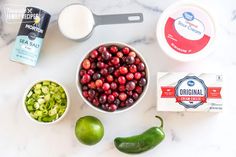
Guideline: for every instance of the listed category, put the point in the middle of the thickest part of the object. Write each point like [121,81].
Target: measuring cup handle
[118,18]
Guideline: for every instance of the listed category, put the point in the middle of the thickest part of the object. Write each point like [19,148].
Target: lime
[89,130]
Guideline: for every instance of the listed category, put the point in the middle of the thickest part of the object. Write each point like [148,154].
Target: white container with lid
[186,31]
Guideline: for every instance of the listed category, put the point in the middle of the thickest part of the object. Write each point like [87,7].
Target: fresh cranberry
[115,60]
[99,83]
[92,85]
[137,75]
[90,99]
[113,85]
[96,76]
[117,73]
[123,70]
[85,87]
[121,88]
[105,107]
[125,50]
[103,99]
[85,79]
[94,54]
[108,92]
[95,102]
[110,98]
[141,67]
[137,61]
[110,78]
[129,76]
[104,71]
[142,82]
[122,104]
[119,54]
[111,70]
[129,60]
[115,94]
[102,49]
[133,54]
[129,102]
[133,68]
[135,96]
[143,73]
[82,72]
[130,86]
[106,86]
[121,80]
[100,65]
[90,72]
[93,65]
[123,96]
[91,93]
[130,93]
[139,89]
[106,55]
[85,94]
[117,102]
[112,108]
[86,64]
[113,49]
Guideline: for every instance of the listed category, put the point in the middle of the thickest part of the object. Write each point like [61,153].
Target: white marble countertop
[187,134]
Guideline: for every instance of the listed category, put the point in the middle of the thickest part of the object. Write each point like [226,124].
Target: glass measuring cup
[77,22]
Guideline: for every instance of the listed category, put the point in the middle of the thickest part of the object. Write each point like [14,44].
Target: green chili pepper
[141,143]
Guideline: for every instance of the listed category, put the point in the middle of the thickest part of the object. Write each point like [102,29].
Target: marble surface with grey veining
[187,134]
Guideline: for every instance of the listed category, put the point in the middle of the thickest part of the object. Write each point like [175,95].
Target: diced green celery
[47,97]
[38,86]
[30,108]
[42,107]
[46,83]
[36,105]
[30,101]
[54,84]
[52,112]
[29,94]
[39,113]
[37,91]
[41,101]
[45,89]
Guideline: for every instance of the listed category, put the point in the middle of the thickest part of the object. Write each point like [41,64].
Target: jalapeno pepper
[143,142]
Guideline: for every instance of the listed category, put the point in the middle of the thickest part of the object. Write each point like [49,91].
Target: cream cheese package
[189,92]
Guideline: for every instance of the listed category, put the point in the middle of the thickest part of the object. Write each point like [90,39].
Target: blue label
[26,51]
[188,16]
[191,83]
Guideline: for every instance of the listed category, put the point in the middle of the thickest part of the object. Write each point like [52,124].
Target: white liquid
[76,21]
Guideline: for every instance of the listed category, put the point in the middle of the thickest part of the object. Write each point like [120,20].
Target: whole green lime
[89,130]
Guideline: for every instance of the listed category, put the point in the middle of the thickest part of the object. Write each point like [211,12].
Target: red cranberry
[100,65]
[122,104]
[141,67]
[129,60]
[130,86]
[113,85]
[82,72]
[121,88]
[121,80]
[117,102]
[119,54]
[133,54]
[142,82]
[115,94]
[115,60]
[102,49]
[106,55]
[125,50]
[110,98]
[85,79]
[111,70]
[135,96]
[93,65]
[123,96]
[112,108]
[143,73]
[99,83]
[92,85]
[139,89]
[123,70]
[85,87]
[86,64]
[110,78]
[133,68]
[117,73]
[113,49]
[90,72]
[105,107]
[129,76]
[108,92]
[96,76]
[137,61]
[91,93]
[106,86]
[103,99]
[95,102]
[89,99]
[130,93]
[104,71]
[137,75]
[129,102]
[94,54]
[85,94]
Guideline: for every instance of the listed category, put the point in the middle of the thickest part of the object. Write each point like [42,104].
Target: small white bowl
[46,123]
[120,44]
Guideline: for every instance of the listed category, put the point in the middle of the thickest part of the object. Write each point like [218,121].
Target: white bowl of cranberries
[113,77]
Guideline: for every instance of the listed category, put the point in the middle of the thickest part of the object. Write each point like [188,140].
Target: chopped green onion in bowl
[46,101]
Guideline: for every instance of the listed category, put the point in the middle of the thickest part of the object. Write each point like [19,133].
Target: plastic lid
[186,31]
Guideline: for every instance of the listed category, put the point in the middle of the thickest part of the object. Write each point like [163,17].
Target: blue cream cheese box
[180,91]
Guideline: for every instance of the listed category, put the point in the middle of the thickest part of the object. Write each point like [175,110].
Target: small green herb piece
[46,101]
